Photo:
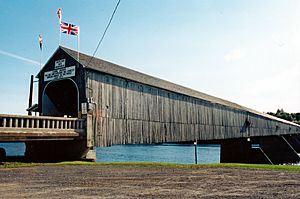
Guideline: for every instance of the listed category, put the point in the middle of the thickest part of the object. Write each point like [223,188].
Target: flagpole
[59,21]
[41,54]
[59,34]
[78,44]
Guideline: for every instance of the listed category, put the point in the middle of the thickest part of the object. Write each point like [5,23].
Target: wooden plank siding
[129,112]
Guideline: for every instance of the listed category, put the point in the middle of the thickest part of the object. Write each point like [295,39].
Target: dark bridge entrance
[60,98]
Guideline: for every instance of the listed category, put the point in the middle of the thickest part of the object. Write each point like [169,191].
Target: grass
[287,168]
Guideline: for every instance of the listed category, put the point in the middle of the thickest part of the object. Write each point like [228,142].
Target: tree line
[293,117]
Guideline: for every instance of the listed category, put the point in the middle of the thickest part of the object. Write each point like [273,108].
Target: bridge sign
[60,63]
[59,73]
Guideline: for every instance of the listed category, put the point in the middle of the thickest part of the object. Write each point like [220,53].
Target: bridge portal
[60,98]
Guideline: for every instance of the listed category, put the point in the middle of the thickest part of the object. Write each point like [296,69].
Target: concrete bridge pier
[2,154]
[55,151]
[294,141]
[279,149]
[259,150]
[64,149]
[241,151]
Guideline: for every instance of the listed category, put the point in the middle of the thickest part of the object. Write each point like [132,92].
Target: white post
[78,44]
[41,57]
[59,21]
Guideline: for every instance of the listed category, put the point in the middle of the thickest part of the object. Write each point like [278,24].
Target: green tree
[280,113]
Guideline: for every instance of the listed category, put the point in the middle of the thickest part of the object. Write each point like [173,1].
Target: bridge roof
[123,72]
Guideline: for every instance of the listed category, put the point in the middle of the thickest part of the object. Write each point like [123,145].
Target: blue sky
[247,52]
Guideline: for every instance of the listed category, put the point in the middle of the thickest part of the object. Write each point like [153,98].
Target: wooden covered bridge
[123,106]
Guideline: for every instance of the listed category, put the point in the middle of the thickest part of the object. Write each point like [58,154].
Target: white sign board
[59,73]
[60,63]
[84,108]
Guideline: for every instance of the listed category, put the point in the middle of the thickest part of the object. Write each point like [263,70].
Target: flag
[69,28]
[41,41]
[59,13]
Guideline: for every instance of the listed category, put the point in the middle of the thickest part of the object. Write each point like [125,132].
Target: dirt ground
[142,182]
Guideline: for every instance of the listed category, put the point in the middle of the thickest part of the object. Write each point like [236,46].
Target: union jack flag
[68,28]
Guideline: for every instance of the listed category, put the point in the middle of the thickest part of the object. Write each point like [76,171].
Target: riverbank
[147,180]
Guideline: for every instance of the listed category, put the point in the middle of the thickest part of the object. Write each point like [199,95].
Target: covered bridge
[129,107]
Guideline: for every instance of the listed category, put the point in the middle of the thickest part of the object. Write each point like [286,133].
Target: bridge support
[279,149]
[241,151]
[294,141]
[55,151]
[259,150]
[2,154]
[62,150]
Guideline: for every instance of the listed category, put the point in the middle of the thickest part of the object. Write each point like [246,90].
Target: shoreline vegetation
[287,168]
[292,117]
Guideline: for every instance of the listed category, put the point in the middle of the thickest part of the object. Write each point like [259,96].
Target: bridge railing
[43,122]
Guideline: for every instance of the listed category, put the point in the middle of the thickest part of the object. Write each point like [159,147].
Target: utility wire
[103,35]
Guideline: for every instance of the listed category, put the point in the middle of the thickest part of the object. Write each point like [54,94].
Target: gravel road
[145,182]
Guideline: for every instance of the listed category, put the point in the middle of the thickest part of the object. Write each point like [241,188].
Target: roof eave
[37,76]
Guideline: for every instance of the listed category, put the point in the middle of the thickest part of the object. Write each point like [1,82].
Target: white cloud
[19,57]
[234,55]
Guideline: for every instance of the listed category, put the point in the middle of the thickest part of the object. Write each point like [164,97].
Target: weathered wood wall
[129,113]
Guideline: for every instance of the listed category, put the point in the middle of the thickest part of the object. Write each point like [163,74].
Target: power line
[103,35]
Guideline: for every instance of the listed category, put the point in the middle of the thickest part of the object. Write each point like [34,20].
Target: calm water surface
[13,149]
[169,153]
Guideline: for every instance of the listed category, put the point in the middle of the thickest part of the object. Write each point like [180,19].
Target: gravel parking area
[84,181]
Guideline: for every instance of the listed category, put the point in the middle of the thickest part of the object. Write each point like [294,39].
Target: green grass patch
[287,168]
[18,165]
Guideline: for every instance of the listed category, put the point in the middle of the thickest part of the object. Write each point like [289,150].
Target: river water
[167,153]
